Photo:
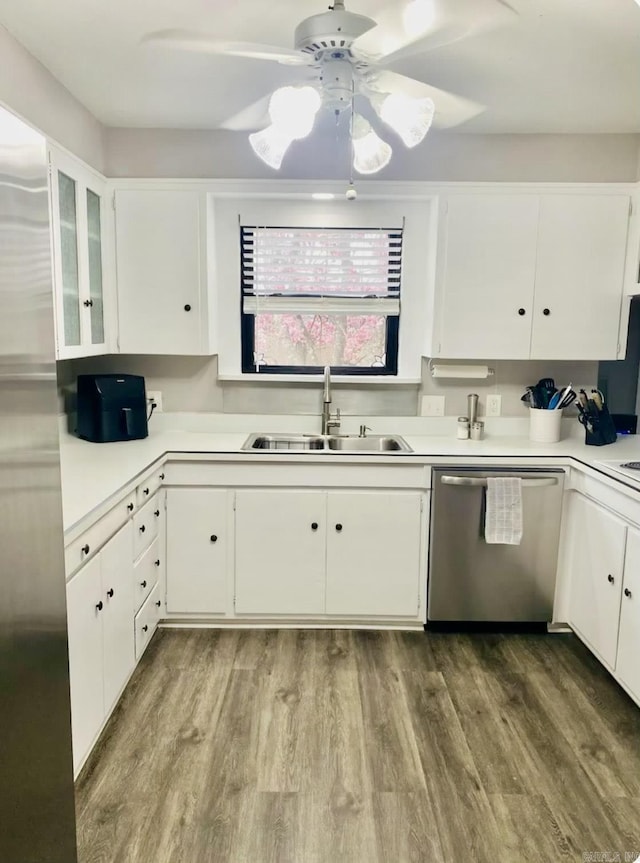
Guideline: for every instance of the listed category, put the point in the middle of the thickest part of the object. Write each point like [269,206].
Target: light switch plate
[432,406]
[494,405]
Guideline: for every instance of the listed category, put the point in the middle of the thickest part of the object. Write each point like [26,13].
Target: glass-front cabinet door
[77,217]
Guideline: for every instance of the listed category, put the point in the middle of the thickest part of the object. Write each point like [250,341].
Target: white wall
[443,156]
[190,384]
[28,89]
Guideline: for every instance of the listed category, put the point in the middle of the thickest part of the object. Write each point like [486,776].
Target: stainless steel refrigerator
[37,821]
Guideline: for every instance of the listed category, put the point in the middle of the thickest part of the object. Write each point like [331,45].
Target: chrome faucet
[329,420]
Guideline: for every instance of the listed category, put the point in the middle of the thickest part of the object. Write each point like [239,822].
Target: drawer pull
[99,606]
[161,476]
[213,537]
[143,583]
[314,525]
[610,579]
[157,513]
[130,507]
[110,593]
[338,527]
[158,603]
[145,490]
[627,592]
[156,563]
[145,628]
[142,528]
[85,549]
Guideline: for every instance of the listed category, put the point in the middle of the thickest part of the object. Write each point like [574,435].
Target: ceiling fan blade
[249,119]
[188,40]
[421,25]
[451,109]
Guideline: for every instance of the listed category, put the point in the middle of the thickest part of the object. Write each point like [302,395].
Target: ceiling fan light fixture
[410,118]
[270,145]
[293,110]
[370,153]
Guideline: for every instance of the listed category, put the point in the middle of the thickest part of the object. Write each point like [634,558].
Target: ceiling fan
[346,58]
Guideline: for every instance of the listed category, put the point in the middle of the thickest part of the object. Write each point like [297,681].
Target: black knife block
[604,431]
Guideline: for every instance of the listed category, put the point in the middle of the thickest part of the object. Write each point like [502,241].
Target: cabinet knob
[157,513]
[145,490]
[156,563]
[546,312]
[338,527]
[314,525]
[522,312]
[158,603]
[145,628]
[143,583]
[110,593]
[161,476]
[130,507]
[88,303]
[85,549]
[99,606]
[610,579]
[142,528]
[187,308]
[627,592]
[213,537]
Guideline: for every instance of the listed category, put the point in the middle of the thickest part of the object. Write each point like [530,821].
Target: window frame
[247,326]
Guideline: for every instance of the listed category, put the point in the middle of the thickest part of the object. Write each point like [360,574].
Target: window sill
[354,380]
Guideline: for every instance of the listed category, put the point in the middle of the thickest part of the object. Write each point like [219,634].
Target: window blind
[321,270]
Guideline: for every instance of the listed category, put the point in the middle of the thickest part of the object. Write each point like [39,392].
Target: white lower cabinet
[280,552]
[628,660]
[343,553]
[197,550]
[101,638]
[373,553]
[146,621]
[604,597]
[596,576]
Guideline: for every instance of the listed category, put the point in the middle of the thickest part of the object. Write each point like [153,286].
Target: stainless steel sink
[326,443]
[371,443]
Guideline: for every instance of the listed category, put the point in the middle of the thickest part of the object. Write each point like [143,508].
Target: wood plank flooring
[316,746]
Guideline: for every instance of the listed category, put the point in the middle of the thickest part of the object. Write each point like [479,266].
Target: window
[320,296]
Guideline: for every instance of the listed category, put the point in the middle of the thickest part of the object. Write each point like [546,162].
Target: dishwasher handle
[482,483]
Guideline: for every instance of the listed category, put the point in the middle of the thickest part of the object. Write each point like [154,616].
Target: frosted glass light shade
[410,118]
[270,145]
[370,152]
[293,110]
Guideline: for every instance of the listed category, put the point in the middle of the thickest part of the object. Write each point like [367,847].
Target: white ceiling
[561,66]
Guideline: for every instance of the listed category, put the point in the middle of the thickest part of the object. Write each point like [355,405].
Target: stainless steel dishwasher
[470,580]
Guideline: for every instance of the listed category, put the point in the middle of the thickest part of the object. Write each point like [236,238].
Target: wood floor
[306,746]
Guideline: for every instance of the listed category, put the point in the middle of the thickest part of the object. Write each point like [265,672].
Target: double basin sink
[326,443]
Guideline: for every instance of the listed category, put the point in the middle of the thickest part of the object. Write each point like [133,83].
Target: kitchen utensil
[597,398]
[558,399]
[545,389]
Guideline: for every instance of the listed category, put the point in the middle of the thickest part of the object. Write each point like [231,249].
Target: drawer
[146,621]
[145,525]
[148,488]
[145,574]
[92,540]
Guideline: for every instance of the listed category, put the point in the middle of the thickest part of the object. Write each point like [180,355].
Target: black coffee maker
[111,408]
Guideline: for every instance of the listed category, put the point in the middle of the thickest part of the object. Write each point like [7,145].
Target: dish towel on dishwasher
[503,516]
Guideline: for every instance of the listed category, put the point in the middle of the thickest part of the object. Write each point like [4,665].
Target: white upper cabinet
[531,276]
[161,267]
[77,221]
[489,249]
[582,241]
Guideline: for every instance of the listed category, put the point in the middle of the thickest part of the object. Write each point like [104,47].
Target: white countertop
[93,473]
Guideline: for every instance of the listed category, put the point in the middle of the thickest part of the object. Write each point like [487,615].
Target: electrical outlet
[432,406]
[155,397]
[494,405]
